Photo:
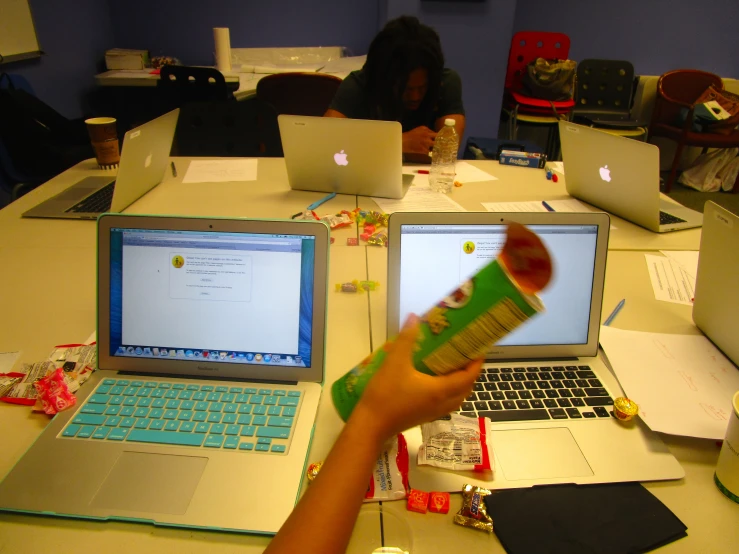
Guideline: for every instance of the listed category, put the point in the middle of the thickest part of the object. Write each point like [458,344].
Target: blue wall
[655,35]
[74,35]
[184,28]
[475,38]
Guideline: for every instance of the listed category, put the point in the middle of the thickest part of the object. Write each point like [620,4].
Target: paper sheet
[688,259]
[221,171]
[419,199]
[570,205]
[468,173]
[682,383]
[420,180]
[7,360]
[670,281]
[558,167]
[270,69]
[344,65]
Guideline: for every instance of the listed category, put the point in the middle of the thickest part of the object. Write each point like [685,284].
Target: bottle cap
[450,122]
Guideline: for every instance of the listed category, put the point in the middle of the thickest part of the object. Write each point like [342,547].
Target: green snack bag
[463,326]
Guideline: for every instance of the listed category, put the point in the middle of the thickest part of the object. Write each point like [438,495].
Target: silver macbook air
[547,392]
[348,156]
[716,291]
[211,338]
[621,176]
[144,160]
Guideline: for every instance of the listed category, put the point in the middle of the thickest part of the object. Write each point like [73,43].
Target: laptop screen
[434,259]
[238,298]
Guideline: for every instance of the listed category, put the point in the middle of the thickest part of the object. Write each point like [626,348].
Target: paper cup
[104,138]
[727,468]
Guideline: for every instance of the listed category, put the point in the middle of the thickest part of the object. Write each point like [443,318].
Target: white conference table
[48,284]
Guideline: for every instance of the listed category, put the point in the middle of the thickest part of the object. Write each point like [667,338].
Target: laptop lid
[616,174]
[427,259]
[222,298]
[716,292]
[144,159]
[348,156]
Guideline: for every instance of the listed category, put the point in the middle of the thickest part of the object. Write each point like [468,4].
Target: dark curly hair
[403,45]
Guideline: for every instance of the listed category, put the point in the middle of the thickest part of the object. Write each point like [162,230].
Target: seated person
[404,79]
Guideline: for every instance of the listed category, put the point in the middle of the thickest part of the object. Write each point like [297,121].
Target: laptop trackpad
[142,482]
[539,454]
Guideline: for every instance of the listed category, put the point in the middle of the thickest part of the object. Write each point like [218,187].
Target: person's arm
[397,397]
[459,122]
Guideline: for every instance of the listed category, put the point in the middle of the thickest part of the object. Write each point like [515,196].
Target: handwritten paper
[670,280]
[221,171]
[682,383]
[419,199]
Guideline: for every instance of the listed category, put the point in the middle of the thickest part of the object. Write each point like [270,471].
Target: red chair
[526,46]
[678,90]
[298,93]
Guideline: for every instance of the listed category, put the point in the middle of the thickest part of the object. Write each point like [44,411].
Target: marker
[614,313]
[174,170]
[321,201]
[547,206]
[423,171]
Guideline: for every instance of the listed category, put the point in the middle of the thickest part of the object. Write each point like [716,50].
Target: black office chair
[179,84]
[247,128]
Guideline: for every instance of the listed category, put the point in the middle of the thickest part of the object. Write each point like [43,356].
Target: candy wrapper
[357,286]
[337,221]
[418,501]
[390,476]
[439,502]
[53,393]
[378,239]
[473,512]
[457,443]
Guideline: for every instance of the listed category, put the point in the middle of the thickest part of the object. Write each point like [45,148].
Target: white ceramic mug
[727,468]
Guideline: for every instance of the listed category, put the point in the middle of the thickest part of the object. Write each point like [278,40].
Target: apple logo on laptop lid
[605,173]
[340,158]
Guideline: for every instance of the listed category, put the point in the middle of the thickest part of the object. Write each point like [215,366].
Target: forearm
[324,518]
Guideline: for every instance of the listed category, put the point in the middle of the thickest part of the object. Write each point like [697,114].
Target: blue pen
[547,206]
[614,313]
[321,201]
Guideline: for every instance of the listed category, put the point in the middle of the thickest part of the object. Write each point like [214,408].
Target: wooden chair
[678,90]
[298,93]
[247,128]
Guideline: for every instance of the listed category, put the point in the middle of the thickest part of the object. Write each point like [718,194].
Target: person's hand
[399,397]
[418,141]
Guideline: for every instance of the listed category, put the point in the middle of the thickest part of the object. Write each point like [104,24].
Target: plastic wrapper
[53,393]
[390,476]
[378,239]
[357,286]
[473,512]
[337,221]
[457,443]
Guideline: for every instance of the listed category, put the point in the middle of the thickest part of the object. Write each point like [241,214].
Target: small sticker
[134,134]
[723,219]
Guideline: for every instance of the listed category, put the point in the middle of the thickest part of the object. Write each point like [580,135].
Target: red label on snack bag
[418,501]
[439,502]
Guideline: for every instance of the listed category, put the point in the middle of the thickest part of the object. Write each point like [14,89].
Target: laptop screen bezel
[201,368]
[528,352]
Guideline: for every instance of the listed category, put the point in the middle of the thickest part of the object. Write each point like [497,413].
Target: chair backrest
[247,128]
[526,46]
[181,84]
[678,89]
[605,85]
[298,93]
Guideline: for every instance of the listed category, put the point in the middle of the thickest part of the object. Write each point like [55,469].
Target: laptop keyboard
[667,219]
[538,393]
[243,419]
[98,202]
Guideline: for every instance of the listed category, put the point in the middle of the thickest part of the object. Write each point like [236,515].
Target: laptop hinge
[529,360]
[205,378]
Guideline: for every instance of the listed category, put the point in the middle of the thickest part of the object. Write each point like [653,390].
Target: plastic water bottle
[443,158]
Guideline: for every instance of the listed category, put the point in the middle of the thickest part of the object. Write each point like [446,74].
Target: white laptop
[211,338]
[716,288]
[620,175]
[144,161]
[547,392]
[347,156]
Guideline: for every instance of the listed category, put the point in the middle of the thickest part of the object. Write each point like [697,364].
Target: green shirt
[353,100]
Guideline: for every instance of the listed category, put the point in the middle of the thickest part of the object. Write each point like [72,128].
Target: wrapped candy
[473,512]
[347,287]
[624,408]
[439,502]
[53,393]
[418,501]
[357,286]
[378,239]
[337,221]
